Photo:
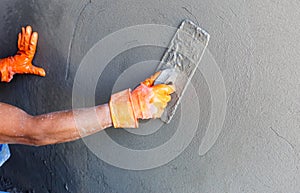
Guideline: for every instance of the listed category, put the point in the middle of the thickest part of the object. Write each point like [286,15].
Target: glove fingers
[37,71]
[165,98]
[163,89]
[27,37]
[23,36]
[33,43]
[149,81]
[161,99]
[19,40]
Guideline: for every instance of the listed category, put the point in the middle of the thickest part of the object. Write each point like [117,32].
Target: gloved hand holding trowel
[124,109]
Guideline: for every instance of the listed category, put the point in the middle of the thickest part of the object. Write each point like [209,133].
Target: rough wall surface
[255,44]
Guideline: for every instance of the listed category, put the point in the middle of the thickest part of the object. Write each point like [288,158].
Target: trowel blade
[180,62]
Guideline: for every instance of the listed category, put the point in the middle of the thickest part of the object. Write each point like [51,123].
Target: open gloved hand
[21,63]
[147,101]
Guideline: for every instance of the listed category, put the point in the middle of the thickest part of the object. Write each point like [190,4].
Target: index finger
[150,81]
[163,89]
[33,41]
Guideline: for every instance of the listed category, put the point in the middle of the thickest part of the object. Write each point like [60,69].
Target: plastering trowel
[180,62]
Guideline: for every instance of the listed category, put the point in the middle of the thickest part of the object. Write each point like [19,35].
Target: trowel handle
[167,76]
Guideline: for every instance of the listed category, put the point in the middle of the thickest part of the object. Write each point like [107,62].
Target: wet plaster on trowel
[254,44]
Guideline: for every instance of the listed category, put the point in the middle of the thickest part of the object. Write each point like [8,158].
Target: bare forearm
[17,127]
[66,126]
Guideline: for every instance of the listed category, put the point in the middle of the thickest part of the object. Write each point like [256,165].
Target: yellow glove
[147,101]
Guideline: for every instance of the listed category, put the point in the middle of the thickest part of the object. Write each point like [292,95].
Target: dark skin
[18,127]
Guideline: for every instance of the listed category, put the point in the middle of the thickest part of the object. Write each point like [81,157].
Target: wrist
[136,104]
[104,116]
[6,73]
[122,110]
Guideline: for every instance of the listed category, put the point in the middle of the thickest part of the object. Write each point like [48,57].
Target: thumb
[150,81]
[36,71]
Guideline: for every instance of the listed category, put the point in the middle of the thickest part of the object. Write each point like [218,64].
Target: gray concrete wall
[255,43]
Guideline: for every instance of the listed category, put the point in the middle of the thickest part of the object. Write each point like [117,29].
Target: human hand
[145,102]
[21,63]
[149,101]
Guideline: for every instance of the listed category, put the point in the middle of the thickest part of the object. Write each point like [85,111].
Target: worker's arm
[17,127]
[123,111]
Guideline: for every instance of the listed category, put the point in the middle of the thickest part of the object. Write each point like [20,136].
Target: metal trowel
[180,62]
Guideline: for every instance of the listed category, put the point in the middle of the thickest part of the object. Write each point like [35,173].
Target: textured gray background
[256,46]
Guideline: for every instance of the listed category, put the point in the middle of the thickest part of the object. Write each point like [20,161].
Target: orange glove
[145,102]
[21,63]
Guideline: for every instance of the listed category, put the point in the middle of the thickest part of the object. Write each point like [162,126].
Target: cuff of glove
[6,73]
[122,110]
